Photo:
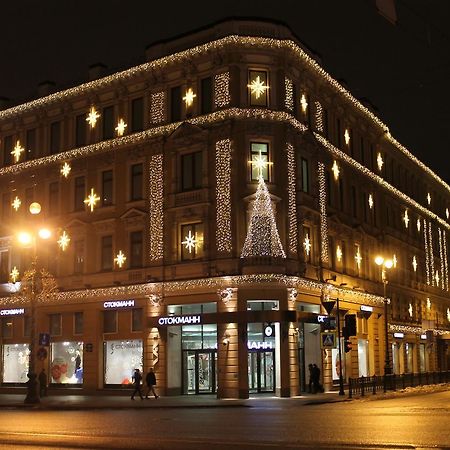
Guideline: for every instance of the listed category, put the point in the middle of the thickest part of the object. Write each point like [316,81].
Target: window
[79,193]
[55,324]
[27,326]
[4,266]
[175,104]
[362,152]
[191,171]
[7,149]
[338,133]
[108,122]
[6,207]
[353,200]
[137,114]
[259,151]
[31,144]
[78,262]
[136,249]
[55,137]
[106,253]
[136,182]
[7,327]
[136,319]
[109,321]
[107,188]
[206,94]
[258,88]
[53,198]
[191,241]
[305,175]
[78,323]
[80,130]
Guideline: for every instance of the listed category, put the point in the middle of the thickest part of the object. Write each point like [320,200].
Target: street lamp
[341,377]
[385,265]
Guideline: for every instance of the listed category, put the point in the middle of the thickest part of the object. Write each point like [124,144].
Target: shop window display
[15,363]
[66,363]
[121,359]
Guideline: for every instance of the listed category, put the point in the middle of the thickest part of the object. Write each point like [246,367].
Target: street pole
[341,378]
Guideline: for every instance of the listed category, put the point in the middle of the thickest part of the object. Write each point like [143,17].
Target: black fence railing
[371,385]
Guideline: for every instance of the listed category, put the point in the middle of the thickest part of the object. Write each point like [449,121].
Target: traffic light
[350,324]
[347,345]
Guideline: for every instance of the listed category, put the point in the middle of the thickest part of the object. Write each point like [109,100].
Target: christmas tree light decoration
[323,212]
[120,129]
[158,107]
[370,201]
[16,203]
[156,210]
[429,198]
[91,200]
[358,258]
[14,275]
[63,241]
[17,151]
[223,195]
[418,225]
[190,242]
[427,253]
[338,253]
[257,87]
[319,117]
[307,245]
[410,310]
[428,303]
[304,103]
[406,218]
[189,97]
[292,199]
[65,169]
[414,263]
[335,170]
[289,94]
[92,117]
[262,235]
[380,161]
[347,137]
[222,96]
[120,259]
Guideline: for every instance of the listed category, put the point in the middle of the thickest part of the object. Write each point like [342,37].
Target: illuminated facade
[205,206]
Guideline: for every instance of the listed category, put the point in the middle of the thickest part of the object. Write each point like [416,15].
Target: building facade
[215,214]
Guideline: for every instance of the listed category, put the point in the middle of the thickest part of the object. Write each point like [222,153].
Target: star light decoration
[190,242]
[418,225]
[65,169]
[447,213]
[63,241]
[347,137]
[370,201]
[303,103]
[307,245]
[406,218]
[410,310]
[92,200]
[436,277]
[339,253]
[189,97]
[92,117]
[380,161]
[17,151]
[257,87]
[120,259]
[14,275]
[260,162]
[429,198]
[16,203]
[335,169]
[414,263]
[448,314]
[120,129]
[428,303]
[394,260]
[358,258]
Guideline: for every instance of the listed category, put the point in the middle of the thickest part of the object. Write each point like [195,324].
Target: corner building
[214,200]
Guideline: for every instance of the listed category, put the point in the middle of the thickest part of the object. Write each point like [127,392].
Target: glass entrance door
[261,371]
[199,372]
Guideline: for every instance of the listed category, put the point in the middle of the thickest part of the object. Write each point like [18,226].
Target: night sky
[402,69]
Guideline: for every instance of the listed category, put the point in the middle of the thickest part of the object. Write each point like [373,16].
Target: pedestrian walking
[150,379]
[43,383]
[137,378]
[316,379]
[311,379]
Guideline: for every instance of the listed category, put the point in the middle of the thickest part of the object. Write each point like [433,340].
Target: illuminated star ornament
[428,303]
[65,170]
[92,200]
[418,225]
[358,258]
[121,125]
[190,242]
[260,162]
[92,117]
[394,261]
[347,137]
[410,310]
[335,170]
[18,150]
[429,198]
[303,103]
[257,87]
[448,314]
[414,263]
[63,241]
[189,97]
[436,277]
[14,275]
[370,201]
[406,218]
[307,245]
[447,213]
[380,161]
[120,259]
[16,203]
[338,253]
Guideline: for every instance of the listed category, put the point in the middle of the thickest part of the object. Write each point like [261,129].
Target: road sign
[328,340]
[44,339]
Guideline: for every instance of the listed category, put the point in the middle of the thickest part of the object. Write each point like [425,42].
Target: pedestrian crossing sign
[328,340]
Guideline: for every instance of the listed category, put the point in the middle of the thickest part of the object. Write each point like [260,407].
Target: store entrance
[199,371]
[261,371]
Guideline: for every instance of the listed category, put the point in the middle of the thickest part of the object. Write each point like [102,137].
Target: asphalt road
[412,422]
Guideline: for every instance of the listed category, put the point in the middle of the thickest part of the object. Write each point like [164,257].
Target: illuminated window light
[335,170]
[17,151]
[120,259]
[14,275]
[120,129]
[303,103]
[406,218]
[347,137]
[380,161]
[339,253]
[257,87]
[307,245]
[63,241]
[65,169]
[16,203]
[414,263]
[189,97]
[91,200]
[92,117]
[370,201]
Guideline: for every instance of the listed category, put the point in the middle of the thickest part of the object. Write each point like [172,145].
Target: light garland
[428,303]
[319,117]
[430,249]
[158,107]
[323,212]
[222,95]
[292,200]
[444,238]
[441,257]
[223,196]
[429,198]
[427,255]
[289,94]
[418,225]
[156,211]
[410,310]
[358,258]
[447,213]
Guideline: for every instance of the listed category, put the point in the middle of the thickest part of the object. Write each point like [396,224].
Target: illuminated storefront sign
[423,336]
[12,312]
[399,335]
[179,320]
[366,308]
[253,345]
[118,304]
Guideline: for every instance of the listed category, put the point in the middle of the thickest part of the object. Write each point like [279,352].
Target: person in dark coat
[137,378]
[311,379]
[317,386]
[150,379]
[43,383]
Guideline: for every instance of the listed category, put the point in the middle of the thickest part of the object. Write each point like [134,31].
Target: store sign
[366,308]
[399,335]
[180,320]
[256,345]
[423,336]
[118,304]
[12,312]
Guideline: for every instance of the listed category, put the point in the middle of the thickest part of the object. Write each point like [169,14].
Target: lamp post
[341,377]
[385,265]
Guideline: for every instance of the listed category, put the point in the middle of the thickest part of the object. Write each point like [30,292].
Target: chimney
[97,70]
[45,88]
